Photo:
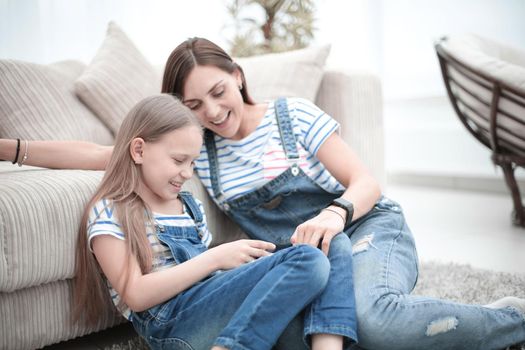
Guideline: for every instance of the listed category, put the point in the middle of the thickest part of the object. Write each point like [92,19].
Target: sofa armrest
[40,211]
[355,100]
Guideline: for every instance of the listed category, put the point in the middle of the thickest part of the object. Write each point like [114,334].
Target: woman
[275,176]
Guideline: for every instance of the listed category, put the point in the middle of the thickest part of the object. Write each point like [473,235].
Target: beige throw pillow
[295,73]
[116,79]
[38,103]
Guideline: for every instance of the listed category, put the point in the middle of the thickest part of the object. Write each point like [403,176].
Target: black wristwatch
[346,205]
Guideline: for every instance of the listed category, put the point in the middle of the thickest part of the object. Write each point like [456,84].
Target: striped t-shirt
[246,165]
[102,221]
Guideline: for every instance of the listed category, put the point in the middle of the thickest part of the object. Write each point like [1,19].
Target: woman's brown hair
[198,52]
[151,118]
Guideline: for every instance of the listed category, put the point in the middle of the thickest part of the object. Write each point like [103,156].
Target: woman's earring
[240,87]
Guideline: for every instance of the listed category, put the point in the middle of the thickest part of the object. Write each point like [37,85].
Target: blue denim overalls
[238,308]
[272,212]
[184,241]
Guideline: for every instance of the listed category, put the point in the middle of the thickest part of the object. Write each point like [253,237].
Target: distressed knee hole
[363,244]
[442,325]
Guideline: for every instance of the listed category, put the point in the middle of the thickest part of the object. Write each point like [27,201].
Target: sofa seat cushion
[40,211]
[38,103]
[41,315]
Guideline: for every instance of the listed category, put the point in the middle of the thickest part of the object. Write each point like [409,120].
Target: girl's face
[167,163]
[214,96]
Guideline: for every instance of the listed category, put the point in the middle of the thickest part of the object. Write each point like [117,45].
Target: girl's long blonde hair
[150,119]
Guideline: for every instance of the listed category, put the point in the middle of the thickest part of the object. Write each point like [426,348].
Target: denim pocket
[276,219]
[156,312]
[164,312]
[183,249]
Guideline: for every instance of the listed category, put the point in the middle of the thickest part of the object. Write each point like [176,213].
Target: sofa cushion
[295,73]
[40,212]
[38,102]
[117,78]
[41,315]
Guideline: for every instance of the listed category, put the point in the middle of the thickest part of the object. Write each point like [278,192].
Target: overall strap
[193,207]
[288,139]
[213,162]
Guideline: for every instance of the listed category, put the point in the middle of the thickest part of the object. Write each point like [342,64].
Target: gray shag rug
[456,282]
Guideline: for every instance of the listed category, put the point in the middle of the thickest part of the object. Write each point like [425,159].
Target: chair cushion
[502,63]
[38,103]
[116,79]
[295,73]
[499,61]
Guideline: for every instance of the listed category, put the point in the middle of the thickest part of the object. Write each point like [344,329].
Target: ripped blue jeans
[389,317]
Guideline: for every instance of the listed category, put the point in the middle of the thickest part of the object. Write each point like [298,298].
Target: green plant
[285,25]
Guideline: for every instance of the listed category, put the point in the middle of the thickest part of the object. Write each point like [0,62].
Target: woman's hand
[321,227]
[233,254]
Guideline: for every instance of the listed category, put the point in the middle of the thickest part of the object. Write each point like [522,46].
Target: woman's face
[214,96]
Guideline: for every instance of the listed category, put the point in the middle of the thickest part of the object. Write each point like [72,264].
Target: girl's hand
[233,254]
[323,226]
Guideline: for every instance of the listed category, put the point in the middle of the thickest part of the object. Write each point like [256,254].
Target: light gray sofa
[40,208]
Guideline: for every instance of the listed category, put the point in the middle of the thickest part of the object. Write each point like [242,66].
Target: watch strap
[348,207]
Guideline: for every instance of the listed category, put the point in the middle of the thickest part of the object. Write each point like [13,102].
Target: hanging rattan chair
[485,81]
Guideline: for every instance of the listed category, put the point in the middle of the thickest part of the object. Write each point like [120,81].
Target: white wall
[44,31]
[394,38]
[391,38]
[410,66]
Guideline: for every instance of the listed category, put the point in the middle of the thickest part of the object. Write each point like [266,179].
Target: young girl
[281,171]
[150,240]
